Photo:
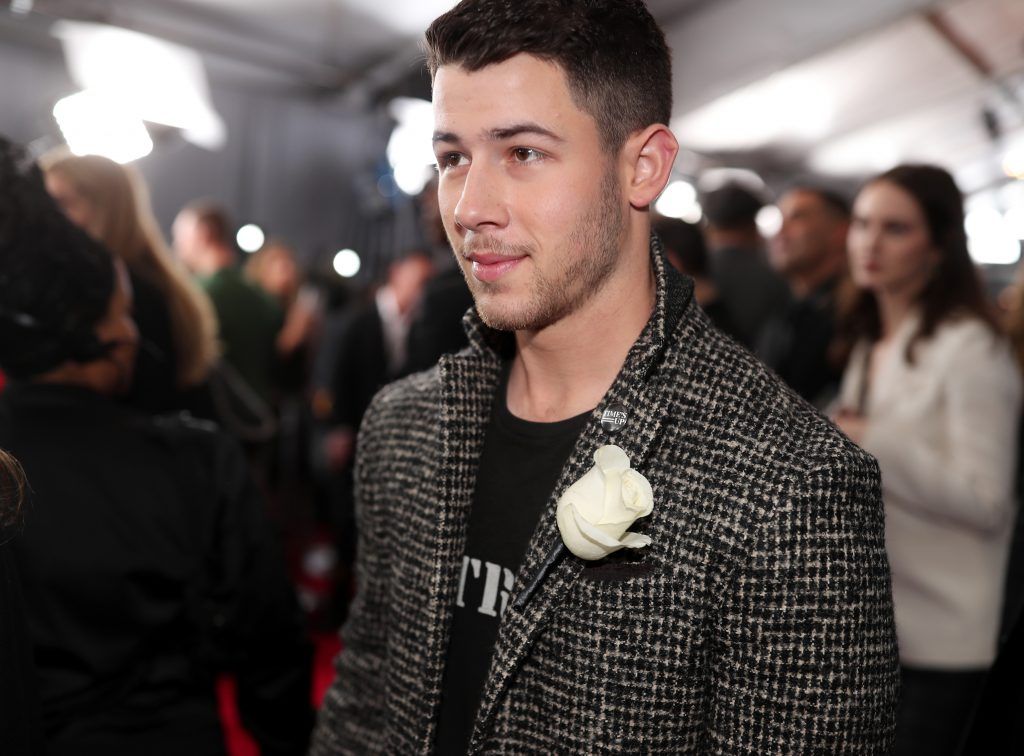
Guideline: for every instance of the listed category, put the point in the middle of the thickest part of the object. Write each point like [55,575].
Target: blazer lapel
[468,383]
[637,390]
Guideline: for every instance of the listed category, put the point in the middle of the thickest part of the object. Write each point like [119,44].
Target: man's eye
[450,160]
[526,155]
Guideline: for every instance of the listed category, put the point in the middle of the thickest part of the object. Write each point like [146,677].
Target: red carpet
[325,648]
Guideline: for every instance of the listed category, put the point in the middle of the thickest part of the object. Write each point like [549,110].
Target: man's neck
[566,369]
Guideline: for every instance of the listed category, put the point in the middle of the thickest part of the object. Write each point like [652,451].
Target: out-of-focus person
[688,252]
[249,319]
[176,322]
[437,328]
[369,352]
[20,724]
[146,558]
[809,253]
[932,391]
[750,289]
[275,270]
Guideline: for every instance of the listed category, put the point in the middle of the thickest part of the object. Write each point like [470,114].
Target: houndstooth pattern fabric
[758,622]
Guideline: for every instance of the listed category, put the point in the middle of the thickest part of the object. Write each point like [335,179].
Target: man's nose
[482,203]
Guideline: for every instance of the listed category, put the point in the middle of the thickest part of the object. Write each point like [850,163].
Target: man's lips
[490,267]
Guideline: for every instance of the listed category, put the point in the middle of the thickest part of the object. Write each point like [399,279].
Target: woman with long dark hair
[932,391]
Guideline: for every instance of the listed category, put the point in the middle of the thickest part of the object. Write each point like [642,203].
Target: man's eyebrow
[502,133]
[508,132]
[445,136]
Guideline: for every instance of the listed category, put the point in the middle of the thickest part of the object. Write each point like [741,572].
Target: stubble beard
[582,266]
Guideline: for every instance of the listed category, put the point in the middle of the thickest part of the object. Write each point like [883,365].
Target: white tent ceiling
[793,84]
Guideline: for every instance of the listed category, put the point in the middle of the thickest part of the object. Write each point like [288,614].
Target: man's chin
[499,316]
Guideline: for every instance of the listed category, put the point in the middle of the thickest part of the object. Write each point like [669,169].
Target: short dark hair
[731,207]
[214,218]
[835,202]
[616,62]
[12,492]
[685,241]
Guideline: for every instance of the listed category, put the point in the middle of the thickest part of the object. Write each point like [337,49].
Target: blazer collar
[468,384]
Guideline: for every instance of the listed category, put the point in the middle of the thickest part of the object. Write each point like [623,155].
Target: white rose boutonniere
[595,512]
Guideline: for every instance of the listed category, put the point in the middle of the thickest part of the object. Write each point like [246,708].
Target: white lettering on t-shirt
[466,563]
[497,586]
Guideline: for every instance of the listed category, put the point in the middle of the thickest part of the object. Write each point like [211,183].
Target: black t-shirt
[519,467]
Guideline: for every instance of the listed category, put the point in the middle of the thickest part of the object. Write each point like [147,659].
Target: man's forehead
[802,200]
[506,96]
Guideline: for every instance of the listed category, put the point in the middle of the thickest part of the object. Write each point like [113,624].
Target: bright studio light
[679,200]
[155,80]
[769,221]
[347,263]
[409,150]
[250,237]
[1014,220]
[990,239]
[93,124]
[1013,161]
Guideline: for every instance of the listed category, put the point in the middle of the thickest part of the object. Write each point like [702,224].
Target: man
[368,351]
[809,252]
[758,619]
[437,327]
[750,289]
[248,319]
[687,251]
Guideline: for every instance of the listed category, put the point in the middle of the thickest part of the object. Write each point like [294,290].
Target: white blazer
[944,431]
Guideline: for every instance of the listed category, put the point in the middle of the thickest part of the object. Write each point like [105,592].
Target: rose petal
[610,457]
[640,498]
[611,505]
[587,494]
[593,532]
[635,540]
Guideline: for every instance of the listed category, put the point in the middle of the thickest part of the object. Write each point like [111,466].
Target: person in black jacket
[20,727]
[147,562]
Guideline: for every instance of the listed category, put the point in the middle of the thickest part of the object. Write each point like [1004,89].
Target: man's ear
[649,155]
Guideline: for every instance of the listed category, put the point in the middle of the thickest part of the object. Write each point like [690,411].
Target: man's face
[185,238]
[809,233]
[530,200]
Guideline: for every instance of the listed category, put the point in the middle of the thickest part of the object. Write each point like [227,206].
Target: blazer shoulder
[740,400]
[407,400]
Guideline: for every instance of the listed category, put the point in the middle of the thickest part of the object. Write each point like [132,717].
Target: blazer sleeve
[968,477]
[352,716]
[805,657]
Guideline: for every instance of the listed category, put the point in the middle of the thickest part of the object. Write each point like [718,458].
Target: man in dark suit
[750,290]
[369,350]
[809,252]
[603,527]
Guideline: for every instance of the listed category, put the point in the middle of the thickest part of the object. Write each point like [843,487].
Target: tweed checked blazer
[759,621]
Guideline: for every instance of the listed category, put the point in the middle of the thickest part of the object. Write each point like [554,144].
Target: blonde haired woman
[175,319]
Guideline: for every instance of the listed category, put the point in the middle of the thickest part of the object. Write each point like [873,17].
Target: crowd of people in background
[153,551]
